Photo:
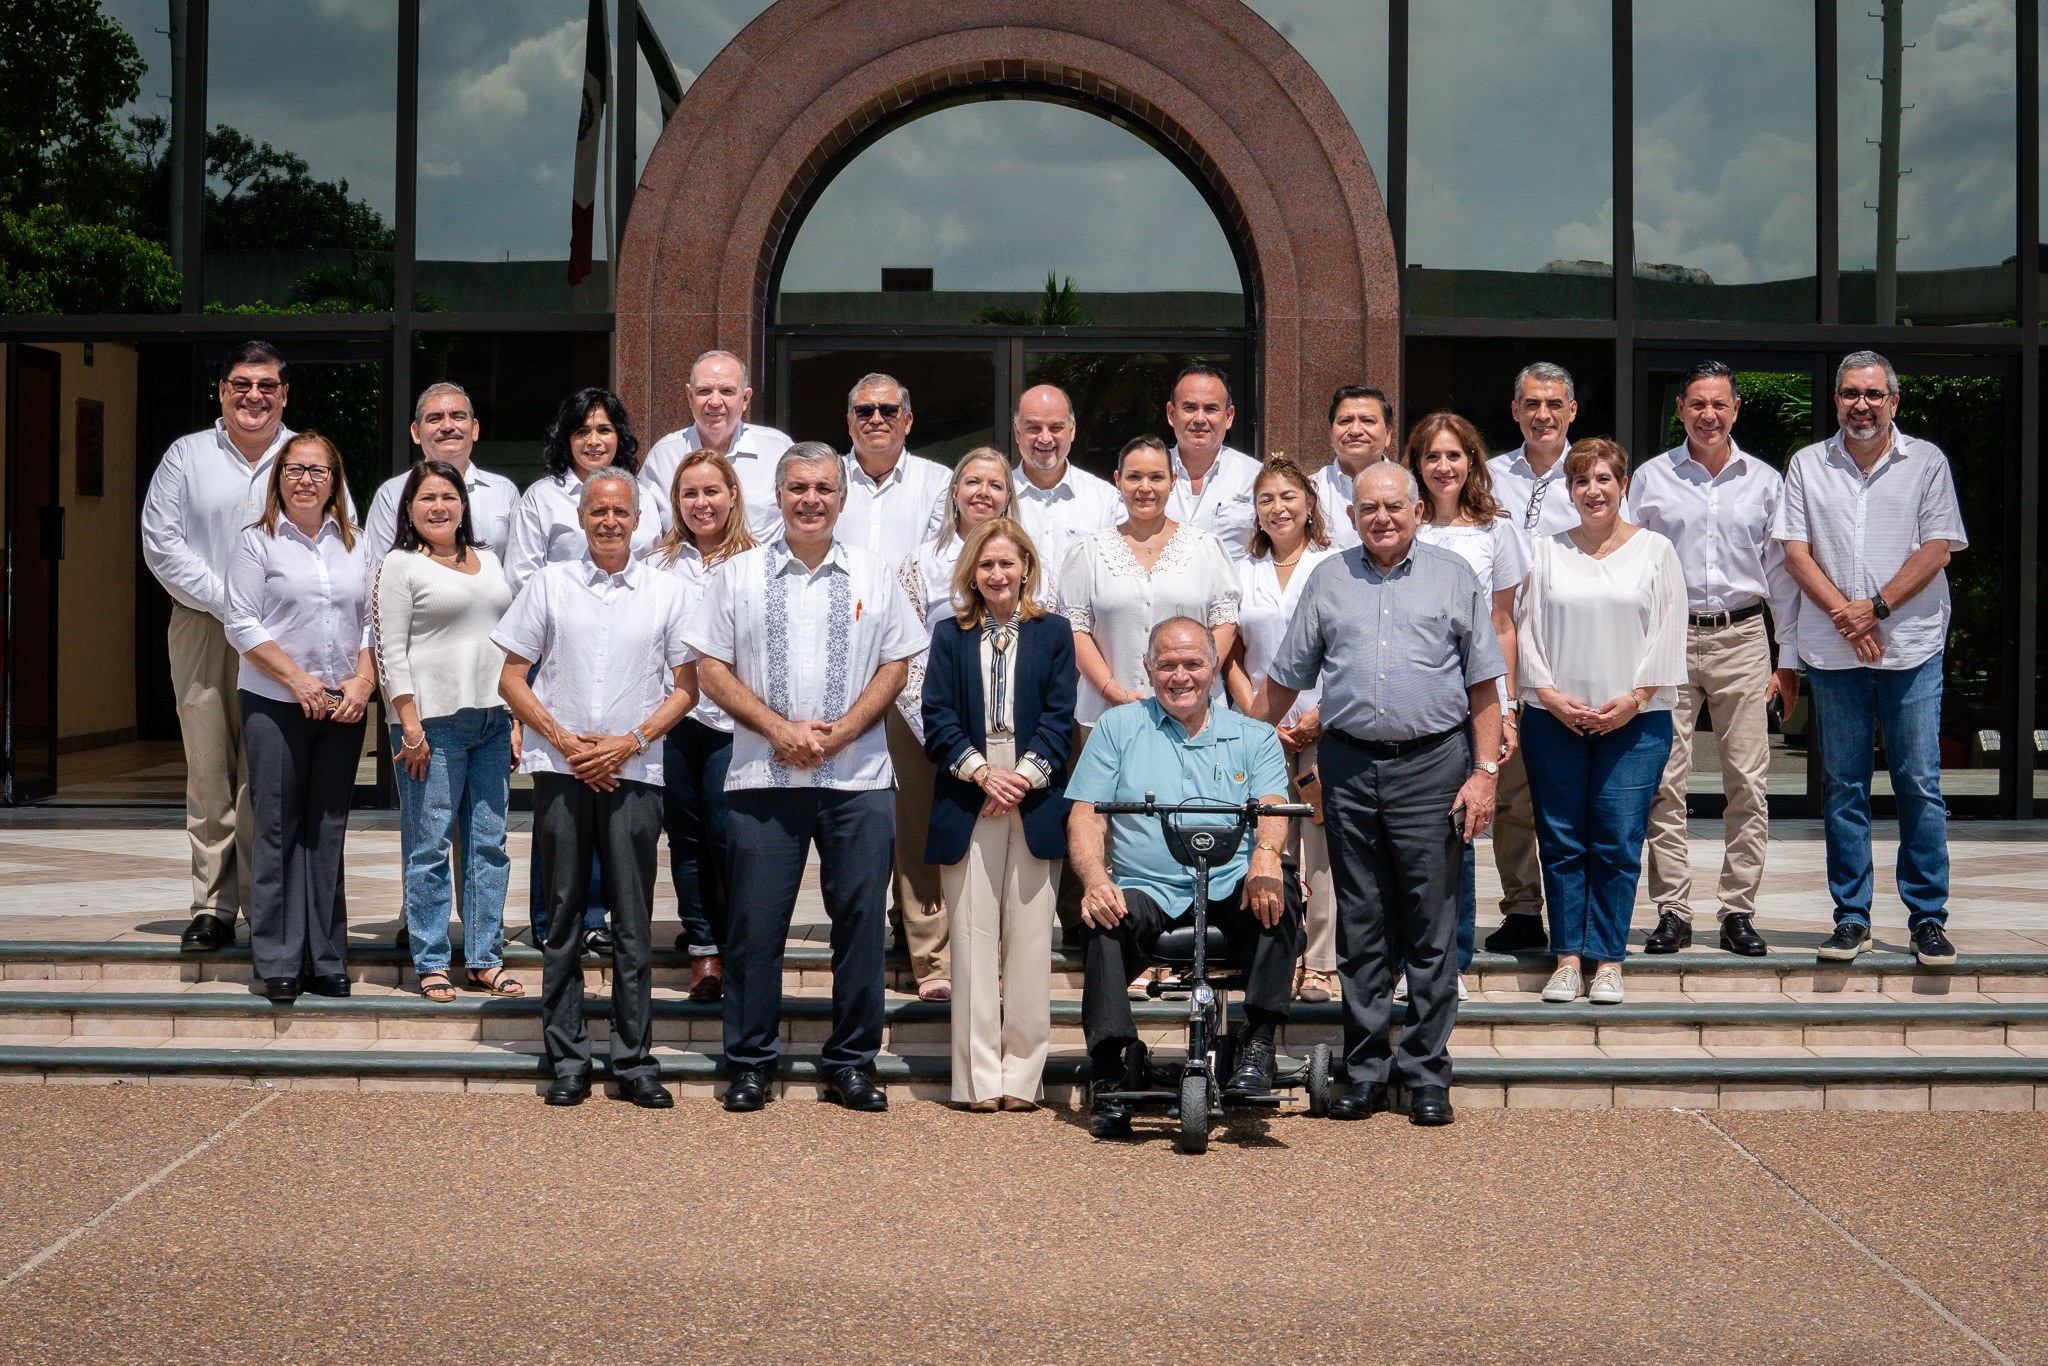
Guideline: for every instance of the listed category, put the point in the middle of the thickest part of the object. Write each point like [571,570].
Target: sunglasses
[889,411]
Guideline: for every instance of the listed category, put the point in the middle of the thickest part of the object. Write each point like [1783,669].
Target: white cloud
[369,14]
[435,171]
[536,66]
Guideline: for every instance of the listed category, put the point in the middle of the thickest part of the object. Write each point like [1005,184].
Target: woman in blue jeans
[438,597]
[1601,627]
[710,527]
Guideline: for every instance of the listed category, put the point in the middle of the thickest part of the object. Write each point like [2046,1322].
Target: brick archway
[808,77]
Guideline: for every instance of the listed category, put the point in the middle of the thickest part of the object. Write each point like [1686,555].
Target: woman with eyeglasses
[438,596]
[298,614]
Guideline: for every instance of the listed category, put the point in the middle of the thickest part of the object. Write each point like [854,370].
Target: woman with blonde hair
[998,713]
[710,527]
[298,612]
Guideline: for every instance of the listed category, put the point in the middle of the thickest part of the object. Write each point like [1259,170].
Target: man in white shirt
[1869,522]
[208,487]
[1212,482]
[602,637]
[1716,504]
[1530,486]
[1361,434]
[1056,502]
[445,427]
[805,643]
[719,395]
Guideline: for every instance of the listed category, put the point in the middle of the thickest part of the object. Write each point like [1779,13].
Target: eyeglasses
[1535,511]
[310,474]
[265,387]
[1869,395]
[889,411]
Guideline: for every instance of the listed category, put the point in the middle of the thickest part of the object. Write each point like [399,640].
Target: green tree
[268,199]
[49,264]
[64,69]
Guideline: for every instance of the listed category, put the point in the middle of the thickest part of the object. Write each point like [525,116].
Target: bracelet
[405,744]
[639,739]
[371,681]
[1266,844]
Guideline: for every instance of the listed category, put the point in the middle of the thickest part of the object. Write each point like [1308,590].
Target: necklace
[1285,564]
[1598,552]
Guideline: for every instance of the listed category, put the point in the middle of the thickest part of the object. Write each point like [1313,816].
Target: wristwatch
[1485,767]
[1879,607]
[639,739]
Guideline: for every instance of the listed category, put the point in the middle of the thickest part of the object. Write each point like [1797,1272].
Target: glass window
[1724,161]
[300,152]
[1346,45]
[1954,198]
[1510,159]
[501,92]
[516,380]
[1475,377]
[963,215]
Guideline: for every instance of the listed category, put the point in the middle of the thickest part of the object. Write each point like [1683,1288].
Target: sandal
[436,987]
[936,989]
[499,982]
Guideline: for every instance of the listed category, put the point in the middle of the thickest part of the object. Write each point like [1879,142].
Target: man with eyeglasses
[1869,522]
[1212,482]
[445,427]
[1530,486]
[719,394]
[1716,505]
[208,487]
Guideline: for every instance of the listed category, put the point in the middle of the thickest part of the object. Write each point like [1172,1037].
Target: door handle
[50,533]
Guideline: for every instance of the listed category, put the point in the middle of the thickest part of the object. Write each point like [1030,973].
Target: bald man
[1056,502]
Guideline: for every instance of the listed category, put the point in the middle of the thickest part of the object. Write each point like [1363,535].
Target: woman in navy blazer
[998,722]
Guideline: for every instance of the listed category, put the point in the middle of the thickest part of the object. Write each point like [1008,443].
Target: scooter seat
[1176,947]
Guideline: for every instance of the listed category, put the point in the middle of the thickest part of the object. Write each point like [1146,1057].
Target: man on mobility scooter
[1175,747]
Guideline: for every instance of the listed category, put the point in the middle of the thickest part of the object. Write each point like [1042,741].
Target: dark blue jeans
[1847,705]
[695,758]
[1592,795]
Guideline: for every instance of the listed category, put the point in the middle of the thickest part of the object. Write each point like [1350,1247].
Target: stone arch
[806,79]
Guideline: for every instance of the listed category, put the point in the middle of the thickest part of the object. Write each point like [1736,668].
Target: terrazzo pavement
[425,1227]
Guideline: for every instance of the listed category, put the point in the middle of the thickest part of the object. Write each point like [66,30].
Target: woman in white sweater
[438,597]
[1601,627]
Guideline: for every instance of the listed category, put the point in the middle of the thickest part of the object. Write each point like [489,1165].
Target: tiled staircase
[1699,1030]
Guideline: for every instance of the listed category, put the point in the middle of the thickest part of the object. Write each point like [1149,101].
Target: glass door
[35,543]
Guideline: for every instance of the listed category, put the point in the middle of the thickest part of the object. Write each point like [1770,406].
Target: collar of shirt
[1063,489]
[1737,466]
[629,577]
[1218,466]
[277,440]
[1372,568]
[859,474]
[1898,452]
[1164,720]
[1518,461]
[327,528]
[783,560]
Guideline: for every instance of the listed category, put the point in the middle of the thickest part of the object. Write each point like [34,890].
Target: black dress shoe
[1671,935]
[1931,946]
[1518,934]
[403,939]
[1739,936]
[328,984]
[748,1090]
[598,940]
[1254,1074]
[1430,1105]
[573,1089]
[281,988]
[206,933]
[853,1088]
[1107,1118]
[1366,1098]
[647,1092]
[1848,940]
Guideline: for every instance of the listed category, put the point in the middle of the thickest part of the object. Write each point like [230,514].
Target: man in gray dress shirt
[1401,635]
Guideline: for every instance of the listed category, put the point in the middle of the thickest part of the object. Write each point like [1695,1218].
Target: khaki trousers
[1729,669]
[217,813]
[918,903]
[1000,899]
[1514,842]
[1310,845]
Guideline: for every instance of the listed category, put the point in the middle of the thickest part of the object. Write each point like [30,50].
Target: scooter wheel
[1194,1113]
[1318,1081]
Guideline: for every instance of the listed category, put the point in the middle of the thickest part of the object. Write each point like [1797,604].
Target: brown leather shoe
[1018,1103]
[707,979]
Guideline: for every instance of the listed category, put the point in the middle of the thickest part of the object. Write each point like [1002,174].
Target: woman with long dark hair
[591,430]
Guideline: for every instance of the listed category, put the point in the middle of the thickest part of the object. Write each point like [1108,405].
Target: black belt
[1755,609]
[1392,749]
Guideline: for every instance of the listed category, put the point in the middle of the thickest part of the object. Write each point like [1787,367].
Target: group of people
[933,678]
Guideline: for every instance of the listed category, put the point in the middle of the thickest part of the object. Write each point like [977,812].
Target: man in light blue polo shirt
[1175,745]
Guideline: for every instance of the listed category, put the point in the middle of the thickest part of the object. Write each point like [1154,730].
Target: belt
[1755,609]
[1392,749]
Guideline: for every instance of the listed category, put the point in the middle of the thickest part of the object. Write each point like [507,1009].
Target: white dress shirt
[433,628]
[309,596]
[689,570]
[894,515]
[1263,613]
[201,496]
[492,500]
[807,643]
[1498,554]
[1105,593]
[1333,500]
[999,712]
[1721,525]
[1862,530]
[753,454]
[1515,485]
[1224,507]
[607,645]
[547,528]
[1079,505]
[1594,629]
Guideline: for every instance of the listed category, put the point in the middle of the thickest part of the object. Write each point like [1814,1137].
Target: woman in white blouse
[1601,629]
[1289,540]
[1448,458]
[981,489]
[298,613]
[438,597]
[710,528]
[591,430]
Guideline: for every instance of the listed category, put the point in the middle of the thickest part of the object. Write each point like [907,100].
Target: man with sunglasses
[207,488]
[1530,486]
[1869,522]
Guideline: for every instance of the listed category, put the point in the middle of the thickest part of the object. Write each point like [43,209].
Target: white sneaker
[1564,985]
[1462,993]
[1606,988]
[1401,988]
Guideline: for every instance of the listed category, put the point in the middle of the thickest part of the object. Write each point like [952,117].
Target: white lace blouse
[1105,593]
